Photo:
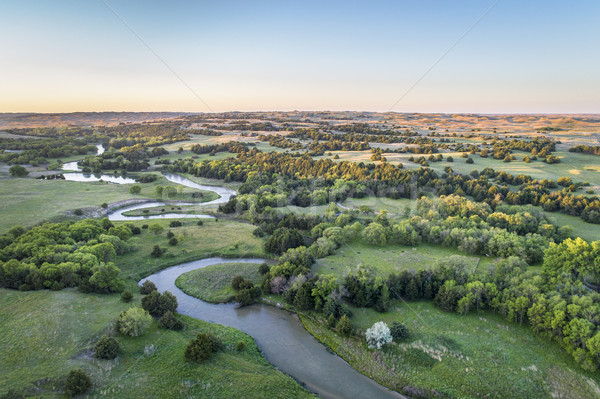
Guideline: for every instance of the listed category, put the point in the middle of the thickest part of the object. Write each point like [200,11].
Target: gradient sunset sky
[521,57]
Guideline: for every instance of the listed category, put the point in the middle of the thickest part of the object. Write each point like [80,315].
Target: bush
[170,322]
[126,296]
[145,227]
[157,304]
[200,348]
[331,321]
[78,212]
[170,234]
[240,346]
[147,287]
[104,205]
[136,230]
[156,252]
[156,228]
[344,326]
[135,189]
[78,382]
[173,241]
[378,335]
[134,322]
[247,296]
[175,223]
[263,268]
[18,171]
[200,223]
[399,331]
[236,282]
[106,348]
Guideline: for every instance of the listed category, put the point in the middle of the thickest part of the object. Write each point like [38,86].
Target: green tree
[375,234]
[200,348]
[106,348]
[156,228]
[344,325]
[134,322]
[18,171]
[135,189]
[77,382]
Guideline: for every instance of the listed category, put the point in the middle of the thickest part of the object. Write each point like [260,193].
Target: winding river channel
[280,336]
[278,333]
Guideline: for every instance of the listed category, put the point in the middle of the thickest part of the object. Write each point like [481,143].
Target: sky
[480,56]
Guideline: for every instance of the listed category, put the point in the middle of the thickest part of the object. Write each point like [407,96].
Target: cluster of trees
[230,146]
[586,149]
[59,255]
[37,151]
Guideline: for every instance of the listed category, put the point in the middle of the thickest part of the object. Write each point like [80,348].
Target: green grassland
[224,238]
[28,201]
[472,356]
[44,334]
[392,258]
[213,283]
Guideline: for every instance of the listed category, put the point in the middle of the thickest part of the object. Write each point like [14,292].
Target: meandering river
[280,336]
[278,333]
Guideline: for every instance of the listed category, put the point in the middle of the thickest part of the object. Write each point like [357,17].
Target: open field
[470,356]
[214,238]
[391,258]
[44,334]
[213,283]
[29,201]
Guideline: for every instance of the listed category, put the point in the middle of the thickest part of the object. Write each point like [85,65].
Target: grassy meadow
[472,356]
[213,283]
[391,258]
[45,334]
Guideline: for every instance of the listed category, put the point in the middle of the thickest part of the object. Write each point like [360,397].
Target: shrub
[344,326]
[135,189]
[78,382]
[126,296]
[18,171]
[134,322]
[200,348]
[331,321]
[200,223]
[170,234]
[104,205]
[170,322]
[156,252]
[156,228]
[173,241]
[240,346]
[175,223]
[78,212]
[136,230]
[236,282]
[378,335]
[470,160]
[147,287]
[263,268]
[145,227]
[157,304]
[106,348]
[399,331]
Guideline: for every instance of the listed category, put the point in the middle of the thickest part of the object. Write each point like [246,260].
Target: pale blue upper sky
[522,57]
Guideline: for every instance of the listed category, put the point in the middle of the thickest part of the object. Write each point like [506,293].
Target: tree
[344,325]
[398,331]
[156,251]
[126,296]
[200,348]
[375,234]
[135,189]
[156,228]
[158,304]
[170,322]
[106,348]
[78,382]
[134,322]
[18,171]
[378,335]
[147,287]
[105,278]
